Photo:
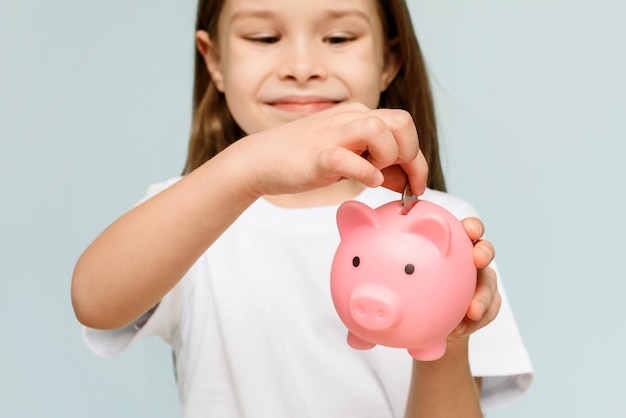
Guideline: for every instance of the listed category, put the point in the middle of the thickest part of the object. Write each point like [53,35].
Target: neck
[336,193]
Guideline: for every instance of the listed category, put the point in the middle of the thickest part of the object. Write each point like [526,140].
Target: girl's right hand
[130,267]
[374,147]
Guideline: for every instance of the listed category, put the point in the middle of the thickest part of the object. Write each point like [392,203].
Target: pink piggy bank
[402,281]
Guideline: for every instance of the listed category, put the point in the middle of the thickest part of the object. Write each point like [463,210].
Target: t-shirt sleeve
[497,352]
[160,321]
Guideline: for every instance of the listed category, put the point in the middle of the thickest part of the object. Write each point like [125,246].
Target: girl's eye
[338,39]
[409,269]
[356,261]
[265,39]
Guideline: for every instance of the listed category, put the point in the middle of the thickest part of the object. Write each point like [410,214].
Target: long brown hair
[213,127]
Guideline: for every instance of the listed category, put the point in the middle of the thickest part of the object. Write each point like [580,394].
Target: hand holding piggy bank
[402,281]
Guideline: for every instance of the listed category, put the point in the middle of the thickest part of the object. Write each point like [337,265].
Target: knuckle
[330,158]
[493,279]
[495,307]
[374,125]
[408,154]
[480,228]
[403,119]
[498,300]
[488,281]
[403,124]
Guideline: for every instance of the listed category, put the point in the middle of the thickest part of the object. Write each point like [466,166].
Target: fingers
[390,138]
[474,228]
[371,134]
[375,147]
[486,302]
[401,125]
[485,305]
[410,159]
[417,174]
[337,162]
[486,295]
[395,178]
[484,252]
[367,125]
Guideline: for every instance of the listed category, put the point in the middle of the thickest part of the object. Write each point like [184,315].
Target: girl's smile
[303,104]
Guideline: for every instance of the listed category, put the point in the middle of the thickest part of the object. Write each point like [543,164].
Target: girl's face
[279,60]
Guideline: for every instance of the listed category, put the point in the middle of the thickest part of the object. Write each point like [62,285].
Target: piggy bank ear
[435,228]
[352,215]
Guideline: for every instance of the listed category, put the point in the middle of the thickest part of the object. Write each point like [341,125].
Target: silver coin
[408,199]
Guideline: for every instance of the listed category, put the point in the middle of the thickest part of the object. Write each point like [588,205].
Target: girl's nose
[301,62]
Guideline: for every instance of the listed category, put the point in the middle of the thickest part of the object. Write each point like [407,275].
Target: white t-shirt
[255,332]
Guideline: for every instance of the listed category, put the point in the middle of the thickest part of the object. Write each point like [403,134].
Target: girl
[296,109]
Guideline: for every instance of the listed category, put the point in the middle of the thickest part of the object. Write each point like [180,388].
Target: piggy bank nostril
[374,307]
[363,311]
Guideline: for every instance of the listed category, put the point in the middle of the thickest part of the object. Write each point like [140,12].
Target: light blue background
[95,105]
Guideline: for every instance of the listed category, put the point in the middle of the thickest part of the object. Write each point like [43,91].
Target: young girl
[296,109]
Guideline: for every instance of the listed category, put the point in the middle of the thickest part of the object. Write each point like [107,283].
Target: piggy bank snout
[374,307]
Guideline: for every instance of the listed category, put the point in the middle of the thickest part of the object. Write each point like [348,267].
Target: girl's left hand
[485,305]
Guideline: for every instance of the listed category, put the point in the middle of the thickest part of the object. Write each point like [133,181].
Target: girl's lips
[301,104]
[297,107]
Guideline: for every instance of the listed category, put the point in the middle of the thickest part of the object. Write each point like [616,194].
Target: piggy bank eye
[409,269]
[356,261]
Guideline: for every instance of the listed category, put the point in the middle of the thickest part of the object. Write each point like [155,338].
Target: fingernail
[481,228]
[485,251]
[379,178]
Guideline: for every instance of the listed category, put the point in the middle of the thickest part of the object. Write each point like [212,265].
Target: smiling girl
[298,106]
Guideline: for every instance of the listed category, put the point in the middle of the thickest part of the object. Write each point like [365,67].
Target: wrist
[445,387]
[455,357]
[237,171]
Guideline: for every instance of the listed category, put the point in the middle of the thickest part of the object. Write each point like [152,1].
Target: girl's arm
[130,267]
[445,388]
[142,255]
